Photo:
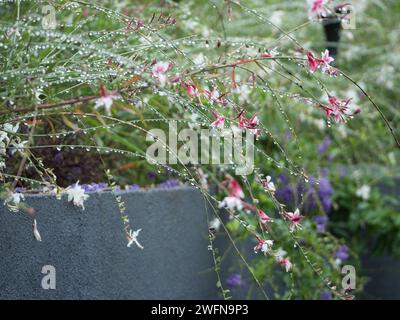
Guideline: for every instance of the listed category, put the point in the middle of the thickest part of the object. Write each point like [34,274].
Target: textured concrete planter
[88,248]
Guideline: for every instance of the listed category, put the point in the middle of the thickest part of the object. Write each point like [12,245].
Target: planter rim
[118,192]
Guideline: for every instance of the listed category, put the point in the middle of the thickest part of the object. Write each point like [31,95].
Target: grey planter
[88,248]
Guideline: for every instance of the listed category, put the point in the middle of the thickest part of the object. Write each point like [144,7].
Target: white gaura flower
[364,192]
[13,200]
[263,245]
[199,59]
[106,99]
[20,147]
[214,224]
[285,262]
[77,195]
[232,203]
[133,238]
[267,184]
[243,92]
[36,231]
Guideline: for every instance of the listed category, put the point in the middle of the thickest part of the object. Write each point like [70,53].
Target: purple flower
[316,196]
[132,187]
[171,183]
[342,253]
[324,171]
[325,192]
[321,222]
[151,175]
[94,187]
[324,145]
[234,281]
[326,295]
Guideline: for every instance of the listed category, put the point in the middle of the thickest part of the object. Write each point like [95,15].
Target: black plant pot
[332,29]
[90,254]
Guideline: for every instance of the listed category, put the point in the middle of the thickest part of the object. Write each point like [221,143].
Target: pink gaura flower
[323,62]
[326,58]
[159,71]
[161,67]
[285,262]
[266,55]
[264,218]
[219,122]
[263,245]
[234,188]
[191,89]
[106,98]
[215,97]
[251,124]
[317,9]
[312,61]
[337,107]
[295,219]
[176,78]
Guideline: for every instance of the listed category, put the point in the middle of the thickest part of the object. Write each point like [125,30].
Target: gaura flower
[159,71]
[36,231]
[364,192]
[323,63]
[326,60]
[243,91]
[132,238]
[106,99]
[191,89]
[219,122]
[160,68]
[263,245]
[312,61]
[77,195]
[264,217]
[214,224]
[317,9]
[13,200]
[215,97]
[285,262]
[267,184]
[234,188]
[295,219]
[232,203]
[338,108]
[251,124]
